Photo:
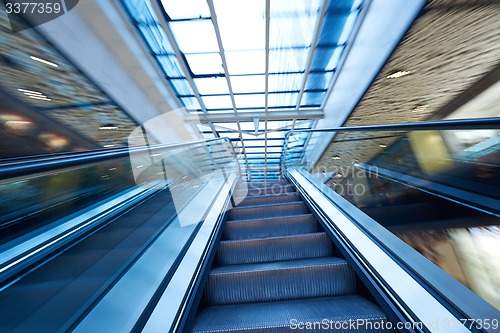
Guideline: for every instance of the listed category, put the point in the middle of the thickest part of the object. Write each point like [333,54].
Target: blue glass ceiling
[306,43]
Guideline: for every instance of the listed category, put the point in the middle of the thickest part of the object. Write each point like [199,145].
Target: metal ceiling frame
[311,114]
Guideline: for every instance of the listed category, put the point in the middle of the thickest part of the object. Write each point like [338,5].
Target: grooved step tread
[291,247]
[269,227]
[313,277]
[277,316]
[265,211]
[268,199]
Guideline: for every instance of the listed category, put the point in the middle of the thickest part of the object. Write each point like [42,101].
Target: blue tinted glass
[182,87]
[171,65]
[288,60]
[191,103]
[312,98]
[318,81]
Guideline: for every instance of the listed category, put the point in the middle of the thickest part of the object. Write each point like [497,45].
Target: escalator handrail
[23,168]
[451,294]
[454,124]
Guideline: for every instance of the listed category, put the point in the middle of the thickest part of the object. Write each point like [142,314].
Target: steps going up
[274,268]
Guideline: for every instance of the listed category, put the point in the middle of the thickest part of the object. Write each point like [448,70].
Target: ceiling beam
[248,116]
[268,24]
[160,13]
[310,56]
[226,74]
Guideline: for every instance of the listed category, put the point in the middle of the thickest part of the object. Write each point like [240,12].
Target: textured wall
[449,47]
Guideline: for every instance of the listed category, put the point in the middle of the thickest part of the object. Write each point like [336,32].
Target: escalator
[188,246]
[275,269]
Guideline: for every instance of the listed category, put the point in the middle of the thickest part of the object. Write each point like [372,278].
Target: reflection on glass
[421,186]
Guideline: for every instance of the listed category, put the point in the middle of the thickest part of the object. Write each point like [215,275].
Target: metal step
[281,316]
[265,211]
[270,190]
[304,278]
[264,184]
[249,251]
[268,199]
[270,227]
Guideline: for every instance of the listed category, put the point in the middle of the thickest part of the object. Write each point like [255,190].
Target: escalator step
[264,184]
[268,199]
[316,277]
[278,316]
[270,227]
[270,190]
[274,249]
[276,210]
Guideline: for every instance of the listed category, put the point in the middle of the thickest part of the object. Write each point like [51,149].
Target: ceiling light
[139,166]
[398,74]
[336,157]
[44,61]
[108,127]
[420,108]
[30,92]
[108,146]
[43,98]
[382,146]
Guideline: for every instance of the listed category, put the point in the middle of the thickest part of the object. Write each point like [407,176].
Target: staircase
[274,268]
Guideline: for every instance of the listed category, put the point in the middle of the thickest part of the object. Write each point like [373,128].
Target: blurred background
[87,80]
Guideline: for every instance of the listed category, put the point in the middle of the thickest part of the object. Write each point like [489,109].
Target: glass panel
[246,126]
[291,31]
[205,63]
[195,36]
[349,25]
[285,99]
[326,58]
[248,84]
[246,62]
[275,135]
[312,98]
[304,125]
[393,177]
[217,102]
[319,81]
[250,101]
[241,23]
[285,82]
[230,135]
[333,28]
[171,65]
[191,103]
[208,86]
[288,60]
[272,124]
[186,9]
[221,111]
[182,87]
[232,126]
[156,38]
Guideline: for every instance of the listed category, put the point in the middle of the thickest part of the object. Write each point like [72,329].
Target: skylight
[221,46]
